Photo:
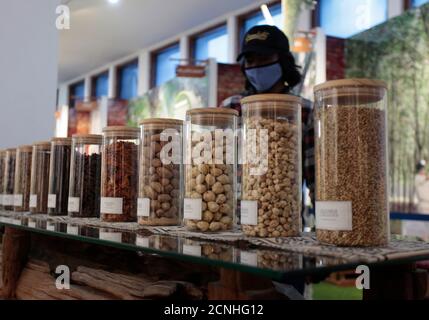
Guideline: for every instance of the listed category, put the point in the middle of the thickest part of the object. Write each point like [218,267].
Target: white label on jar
[33,201]
[334,215]
[8,200]
[50,226]
[249,212]
[249,258]
[52,201]
[111,205]
[18,199]
[143,205]
[74,230]
[32,224]
[73,205]
[191,250]
[142,242]
[192,209]
[111,236]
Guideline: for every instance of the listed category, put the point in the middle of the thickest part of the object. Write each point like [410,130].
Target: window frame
[153,60]
[94,83]
[409,4]
[71,92]
[193,39]
[118,76]
[316,16]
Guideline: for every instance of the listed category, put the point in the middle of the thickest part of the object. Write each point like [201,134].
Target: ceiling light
[267,15]
[113,1]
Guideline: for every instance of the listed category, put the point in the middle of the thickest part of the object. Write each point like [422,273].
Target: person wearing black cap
[269,67]
[267,62]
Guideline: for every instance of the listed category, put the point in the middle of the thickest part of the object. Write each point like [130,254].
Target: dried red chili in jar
[119,174]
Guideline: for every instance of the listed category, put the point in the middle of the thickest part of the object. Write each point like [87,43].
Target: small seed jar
[160,195]
[271,182]
[40,177]
[119,174]
[2,165]
[210,169]
[59,175]
[351,163]
[85,176]
[9,179]
[23,178]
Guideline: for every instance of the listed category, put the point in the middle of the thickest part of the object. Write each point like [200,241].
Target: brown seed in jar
[164,198]
[200,179]
[216,172]
[213,207]
[203,225]
[215,226]
[165,182]
[210,180]
[156,162]
[156,186]
[150,193]
[224,179]
[200,188]
[209,196]
[207,216]
[164,172]
[220,198]
[203,168]
[218,188]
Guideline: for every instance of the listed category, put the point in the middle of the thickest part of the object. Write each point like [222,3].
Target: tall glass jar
[2,168]
[85,176]
[40,177]
[59,175]
[160,187]
[9,179]
[119,174]
[210,169]
[272,167]
[22,178]
[351,163]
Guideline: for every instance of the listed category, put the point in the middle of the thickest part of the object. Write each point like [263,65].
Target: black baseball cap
[264,39]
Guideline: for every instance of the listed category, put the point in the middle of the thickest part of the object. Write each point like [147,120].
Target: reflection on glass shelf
[238,255]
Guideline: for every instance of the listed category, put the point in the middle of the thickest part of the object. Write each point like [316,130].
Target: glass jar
[351,163]
[119,174]
[40,177]
[210,169]
[160,194]
[9,179]
[2,168]
[22,178]
[271,181]
[59,176]
[85,176]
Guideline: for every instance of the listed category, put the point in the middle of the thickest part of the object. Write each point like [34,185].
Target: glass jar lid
[351,91]
[88,139]
[123,132]
[44,145]
[25,148]
[270,102]
[161,123]
[62,141]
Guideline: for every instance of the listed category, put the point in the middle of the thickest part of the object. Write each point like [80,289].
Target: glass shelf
[239,255]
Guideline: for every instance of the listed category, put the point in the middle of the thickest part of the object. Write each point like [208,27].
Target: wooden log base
[16,244]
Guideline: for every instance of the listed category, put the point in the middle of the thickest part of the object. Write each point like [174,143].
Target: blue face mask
[263,78]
